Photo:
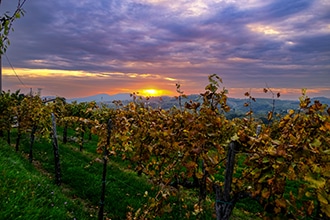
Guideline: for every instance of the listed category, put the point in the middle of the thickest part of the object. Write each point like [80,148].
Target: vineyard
[200,164]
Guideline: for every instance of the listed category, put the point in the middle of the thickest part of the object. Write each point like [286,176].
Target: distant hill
[102,98]
[260,107]
[323,100]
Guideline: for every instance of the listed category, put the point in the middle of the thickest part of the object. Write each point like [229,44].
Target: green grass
[81,178]
[82,173]
[27,194]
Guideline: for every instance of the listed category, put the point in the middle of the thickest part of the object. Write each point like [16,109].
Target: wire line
[15,71]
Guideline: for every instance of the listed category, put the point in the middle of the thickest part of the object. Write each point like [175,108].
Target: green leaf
[326,151]
[235,137]
[265,160]
[264,177]
[316,143]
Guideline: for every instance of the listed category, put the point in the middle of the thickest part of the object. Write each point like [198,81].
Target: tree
[6,21]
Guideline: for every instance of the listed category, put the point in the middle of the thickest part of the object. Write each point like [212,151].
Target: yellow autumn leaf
[287,117]
[197,208]
[277,210]
[281,202]
[276,142]
[235,137]
[316,168]
[310,208]
[315,183]
[213,160]
[326,209]
[308,194]
[326,173]
[199,175]
[249,113]
[265,193]
[270,116]
[291,112]
[325,127]
[322,197]
[191,165]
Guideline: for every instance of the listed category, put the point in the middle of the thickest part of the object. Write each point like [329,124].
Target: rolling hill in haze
[102,98]
[260,107]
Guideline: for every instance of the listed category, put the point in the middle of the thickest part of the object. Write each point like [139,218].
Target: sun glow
[151,92]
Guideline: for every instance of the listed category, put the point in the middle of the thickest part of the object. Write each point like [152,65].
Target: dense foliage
[195,146]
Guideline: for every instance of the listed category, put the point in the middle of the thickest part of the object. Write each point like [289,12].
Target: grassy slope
[27,194]
[32,195]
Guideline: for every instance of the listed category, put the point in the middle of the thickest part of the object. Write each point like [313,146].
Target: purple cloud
[246,42]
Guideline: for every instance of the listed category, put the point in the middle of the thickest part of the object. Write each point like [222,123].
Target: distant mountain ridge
[260,107]
[103,97]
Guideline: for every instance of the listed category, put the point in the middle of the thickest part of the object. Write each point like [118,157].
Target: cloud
[246,42]
[281,8]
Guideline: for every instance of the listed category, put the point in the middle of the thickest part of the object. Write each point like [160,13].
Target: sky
[73,48]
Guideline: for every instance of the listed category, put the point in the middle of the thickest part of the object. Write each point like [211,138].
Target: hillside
[28,194]
[260,107]
[102,98]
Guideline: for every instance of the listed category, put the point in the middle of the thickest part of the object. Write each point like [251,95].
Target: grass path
[26,193]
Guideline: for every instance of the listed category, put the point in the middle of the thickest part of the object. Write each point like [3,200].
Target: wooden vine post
[225,203]
[82,135]
[56,154]
[65,133]
[104,173]
[33,131]
[19,135]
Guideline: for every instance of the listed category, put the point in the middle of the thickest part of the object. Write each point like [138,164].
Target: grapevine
[196,147]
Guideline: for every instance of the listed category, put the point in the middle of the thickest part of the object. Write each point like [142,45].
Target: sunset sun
[150,92]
